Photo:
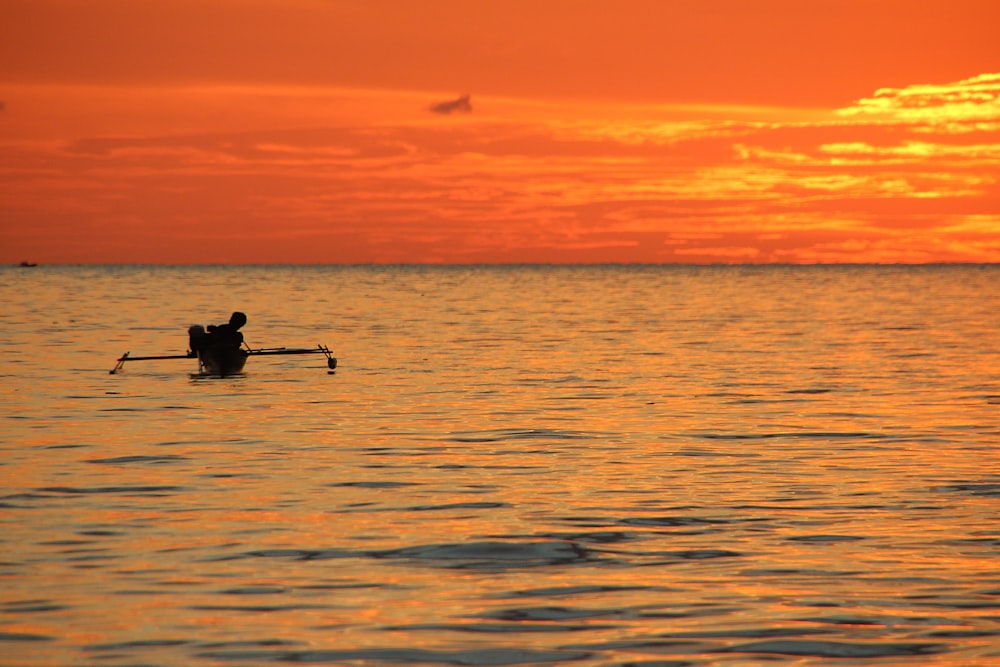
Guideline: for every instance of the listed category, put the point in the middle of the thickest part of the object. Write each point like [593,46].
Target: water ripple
[122,490]
[830,649]
[168,458]
[503,435]
[493,555]
[472,658]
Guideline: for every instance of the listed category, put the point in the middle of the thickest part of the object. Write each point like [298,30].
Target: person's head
[237,320]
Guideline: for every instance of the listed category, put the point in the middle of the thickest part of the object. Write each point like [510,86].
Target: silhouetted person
[198,340]
[228,335]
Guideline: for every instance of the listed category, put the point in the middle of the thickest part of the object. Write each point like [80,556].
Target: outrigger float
[220,361]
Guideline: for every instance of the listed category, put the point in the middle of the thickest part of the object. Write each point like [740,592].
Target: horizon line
[495,264]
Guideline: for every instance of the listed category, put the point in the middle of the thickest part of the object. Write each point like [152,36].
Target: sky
[499,131]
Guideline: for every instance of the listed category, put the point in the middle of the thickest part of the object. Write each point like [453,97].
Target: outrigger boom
[331,361]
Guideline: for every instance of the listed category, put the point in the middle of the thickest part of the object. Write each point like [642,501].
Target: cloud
[461,104]
[721,253]
[527,181]
[963,106]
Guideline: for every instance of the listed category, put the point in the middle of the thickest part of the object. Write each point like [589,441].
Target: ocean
[511,465]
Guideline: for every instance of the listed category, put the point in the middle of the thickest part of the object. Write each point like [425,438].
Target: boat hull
[222,360]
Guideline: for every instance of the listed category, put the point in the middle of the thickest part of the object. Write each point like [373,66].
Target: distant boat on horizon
[27,265]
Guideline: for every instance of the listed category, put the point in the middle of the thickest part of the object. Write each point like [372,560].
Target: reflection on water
[512,465]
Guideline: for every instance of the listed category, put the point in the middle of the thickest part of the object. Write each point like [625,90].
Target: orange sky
[305,131]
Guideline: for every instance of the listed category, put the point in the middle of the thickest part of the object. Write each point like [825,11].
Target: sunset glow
[300,131]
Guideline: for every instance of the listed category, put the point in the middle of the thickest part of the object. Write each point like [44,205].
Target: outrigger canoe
[221,361]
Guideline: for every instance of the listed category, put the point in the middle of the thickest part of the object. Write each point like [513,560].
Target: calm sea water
[511,466]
